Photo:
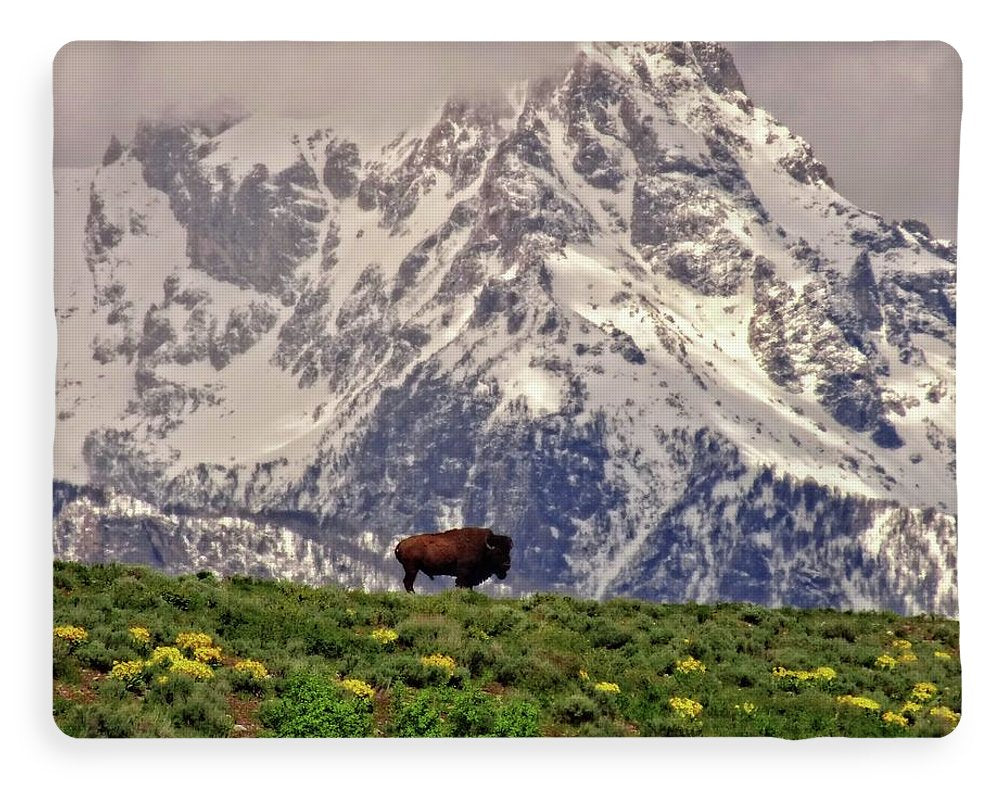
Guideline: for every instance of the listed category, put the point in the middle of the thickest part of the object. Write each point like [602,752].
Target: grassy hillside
[152,655]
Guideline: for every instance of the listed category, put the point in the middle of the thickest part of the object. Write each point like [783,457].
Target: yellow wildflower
[910,709]
[358,687]
[74,635]
[128,672]
[942,655]
[210,655]
[584,675]
[923,691]
[172,659]
[252,667]
[862,703]
[162,679]
[165,655]
[909,656]
[193,668]
[690,665]
[746,707]
[945,714]
[801,676]
[607,686]
[892,718]
[193,640]
[686,707]
[439,660]
[886,661]
[384,636]
[140,635]
[903,645]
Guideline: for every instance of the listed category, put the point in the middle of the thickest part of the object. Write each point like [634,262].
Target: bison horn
[489,544]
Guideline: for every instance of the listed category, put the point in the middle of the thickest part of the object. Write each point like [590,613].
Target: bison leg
[467,577]
[409,577]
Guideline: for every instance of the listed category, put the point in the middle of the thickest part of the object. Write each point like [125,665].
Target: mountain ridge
[633,324]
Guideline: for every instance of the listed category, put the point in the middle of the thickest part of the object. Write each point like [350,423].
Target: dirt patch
[630,729]
[382,712]
[244,713]
[84,692]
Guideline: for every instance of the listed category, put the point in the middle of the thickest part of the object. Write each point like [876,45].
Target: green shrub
[671,725]
[248,683]
[419,716]
[383,671]
[168,688]
[328,640]
[310,706]
[661,635]
[517,720]
[414,673]
[479,658]
[103,720]
[534,674]
[94,654]
[63,580]
[753,615]
[602,728]
[472,714]
[492,620]
[178,600]
[716,643]
[427,634]
[469,713]
[843,630]
[511,670]
[643,624]
[607,634]
[946,634]
[575,709]
[64,664]
[130,594]
[203,712]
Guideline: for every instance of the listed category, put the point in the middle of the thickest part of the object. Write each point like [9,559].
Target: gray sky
[883,116]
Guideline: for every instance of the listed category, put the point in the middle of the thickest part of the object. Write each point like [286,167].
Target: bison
[470,554]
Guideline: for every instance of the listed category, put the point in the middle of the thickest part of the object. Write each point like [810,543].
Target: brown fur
[470,554]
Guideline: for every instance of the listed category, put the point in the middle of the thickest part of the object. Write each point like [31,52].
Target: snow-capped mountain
[630,323]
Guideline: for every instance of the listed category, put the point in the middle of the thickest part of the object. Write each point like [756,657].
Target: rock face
[252,232]
[340,173]
[631,325]
[113,152]
[456,148]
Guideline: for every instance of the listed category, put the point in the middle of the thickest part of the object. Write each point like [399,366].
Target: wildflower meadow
[140,654]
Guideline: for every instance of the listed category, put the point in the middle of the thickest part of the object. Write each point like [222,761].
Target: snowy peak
[632,323]
[453,150]
[649,61]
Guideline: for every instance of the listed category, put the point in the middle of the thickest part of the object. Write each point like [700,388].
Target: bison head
[498,551]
